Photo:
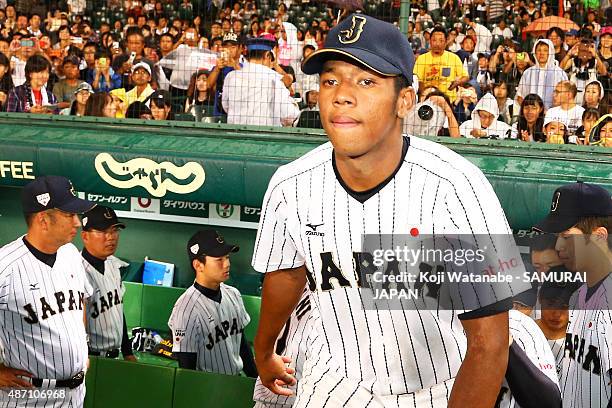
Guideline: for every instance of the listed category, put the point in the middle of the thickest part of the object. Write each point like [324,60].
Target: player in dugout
[106,323]
[208,320]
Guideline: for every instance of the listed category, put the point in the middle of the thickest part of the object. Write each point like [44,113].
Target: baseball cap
[552,116]
[49,192]
[161,98]
[573,32]
[83,86]
[141,65]
[101,218]
[262,44]
[527,298]
[230,37]
[208,242]
[378,45]
[572,202]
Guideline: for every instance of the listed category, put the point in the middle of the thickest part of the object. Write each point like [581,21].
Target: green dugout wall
[169,178]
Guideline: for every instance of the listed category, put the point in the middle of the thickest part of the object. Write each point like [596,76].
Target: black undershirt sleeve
[187,360]
[126,344]
[526,380]
[489,310]
[248,363]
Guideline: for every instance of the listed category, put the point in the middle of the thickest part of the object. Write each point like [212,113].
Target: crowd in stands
[481,71]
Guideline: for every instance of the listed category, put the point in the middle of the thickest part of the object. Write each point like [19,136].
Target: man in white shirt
[255,94]
[564,100]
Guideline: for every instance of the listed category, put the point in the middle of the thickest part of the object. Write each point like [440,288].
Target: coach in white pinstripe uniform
[42,292]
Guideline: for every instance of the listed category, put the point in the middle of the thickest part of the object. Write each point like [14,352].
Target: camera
[425,112]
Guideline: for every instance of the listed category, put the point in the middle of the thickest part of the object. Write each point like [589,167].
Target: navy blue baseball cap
[208,242]
[100,218]
[49,192]
[378,45]
[572,202]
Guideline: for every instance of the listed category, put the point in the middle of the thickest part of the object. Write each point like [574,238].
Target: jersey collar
[97,263]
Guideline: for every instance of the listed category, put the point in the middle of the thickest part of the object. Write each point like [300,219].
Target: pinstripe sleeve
[274,247]
[5,285]
[185,329]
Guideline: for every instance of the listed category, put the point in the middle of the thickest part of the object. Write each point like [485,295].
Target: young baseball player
[371,179]
[208,320]
[581,215]
[554,301]
[42,291]
[106,324]
[292,344]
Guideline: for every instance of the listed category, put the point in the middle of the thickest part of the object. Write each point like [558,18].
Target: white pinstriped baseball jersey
[558,348]
[309,218]
[530,338]
[105,305]
[210,329]
[292,343]
[585,374]
[41,329]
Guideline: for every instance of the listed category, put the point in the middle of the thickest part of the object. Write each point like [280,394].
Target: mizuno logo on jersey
[313,230]
[74,302]
[221,332]
[591,361]
[106,302]
[34,286]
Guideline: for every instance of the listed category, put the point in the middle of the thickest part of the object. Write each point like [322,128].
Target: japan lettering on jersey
[585,376]
[308,218]
[291,342]
[212,330]
[41,328]
[105,305]
[526,333]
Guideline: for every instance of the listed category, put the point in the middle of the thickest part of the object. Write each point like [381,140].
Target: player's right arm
[485,362]
[281,292]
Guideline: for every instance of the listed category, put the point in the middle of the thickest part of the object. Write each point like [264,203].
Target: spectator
[197,93]
[589,118]
[76,7]
[605,47]
[468,57]
[228,62]
[161,106]
[103,78]
[33,96]
[79,104]
[555,128]
[543,76]
[503,30]
[24,48]
[465,102]
[423,17]
[504,104]
[565,106]
[64,88]
[495,12]
[440,68]
[89,57]
[6,81]
[255,94]
[440,122]
[138,110]
[595,97]
[484,78]
[583,64]
[530,124]
[601,134]
[484,123]
[141,77]
[289,52]
[481,33]
[34,28]
[557,37]
[101,104]
[179,79]
[303,82]
[571,38]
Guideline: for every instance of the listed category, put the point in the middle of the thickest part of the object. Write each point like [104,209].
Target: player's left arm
[485,362]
